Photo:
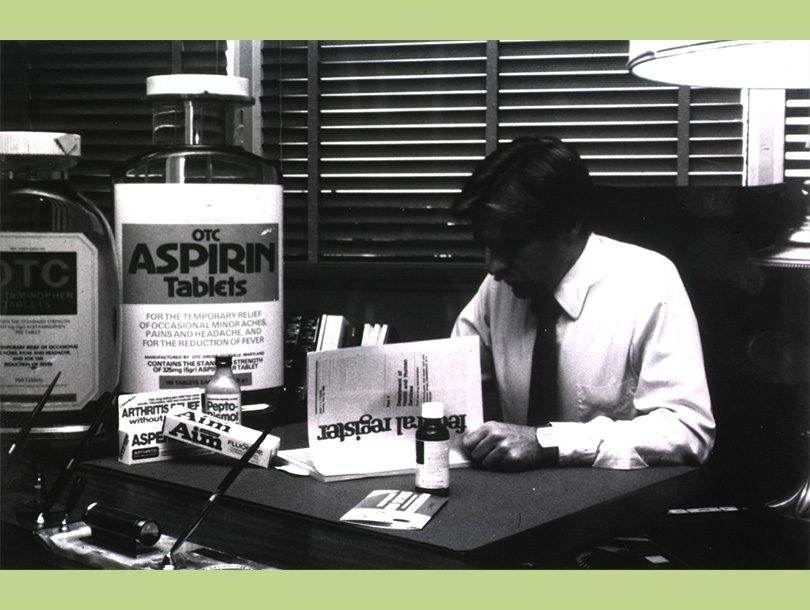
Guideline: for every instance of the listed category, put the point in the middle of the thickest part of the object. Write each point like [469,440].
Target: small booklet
[392,509]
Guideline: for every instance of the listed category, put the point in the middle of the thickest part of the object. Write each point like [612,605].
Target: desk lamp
[749,64]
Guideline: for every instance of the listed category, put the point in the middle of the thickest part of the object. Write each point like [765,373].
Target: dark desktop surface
[593,519]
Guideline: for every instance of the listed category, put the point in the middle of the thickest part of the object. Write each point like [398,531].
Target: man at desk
[627,387]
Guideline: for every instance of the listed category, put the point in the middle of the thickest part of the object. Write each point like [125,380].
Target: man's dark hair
[535,184]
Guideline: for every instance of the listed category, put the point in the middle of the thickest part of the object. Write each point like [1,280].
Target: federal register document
[363,404]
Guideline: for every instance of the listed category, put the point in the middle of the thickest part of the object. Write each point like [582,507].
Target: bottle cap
[223,361]
[432,410]
[40,144]
[199,85]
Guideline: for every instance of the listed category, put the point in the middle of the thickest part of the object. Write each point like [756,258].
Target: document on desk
[364,403]
[395,509]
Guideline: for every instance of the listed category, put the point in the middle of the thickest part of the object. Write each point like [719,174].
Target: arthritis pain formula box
[201,430]
[140,425]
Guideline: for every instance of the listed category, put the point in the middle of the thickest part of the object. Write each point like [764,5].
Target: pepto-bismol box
[140,426]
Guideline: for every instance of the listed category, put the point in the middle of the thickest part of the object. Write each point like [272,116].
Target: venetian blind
[96,89]
[374,138]
[797,135]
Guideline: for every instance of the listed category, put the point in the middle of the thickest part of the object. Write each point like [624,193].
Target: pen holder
[119,530]
[29,514]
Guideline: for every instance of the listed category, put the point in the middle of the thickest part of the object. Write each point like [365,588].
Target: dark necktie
[543,392]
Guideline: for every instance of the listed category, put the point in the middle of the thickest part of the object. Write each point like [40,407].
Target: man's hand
[500,446]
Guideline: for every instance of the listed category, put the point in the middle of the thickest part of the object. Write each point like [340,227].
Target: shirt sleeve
[471,322]
[672,421]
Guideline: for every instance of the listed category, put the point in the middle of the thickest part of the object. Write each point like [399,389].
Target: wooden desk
[492,520]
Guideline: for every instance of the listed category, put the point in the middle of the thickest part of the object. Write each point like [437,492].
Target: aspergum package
[140,426]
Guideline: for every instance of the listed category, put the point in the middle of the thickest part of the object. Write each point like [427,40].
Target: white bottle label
[49,322]
[227,407]
[202,276]
[434,473]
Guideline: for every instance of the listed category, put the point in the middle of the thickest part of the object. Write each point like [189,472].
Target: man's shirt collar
[573,288]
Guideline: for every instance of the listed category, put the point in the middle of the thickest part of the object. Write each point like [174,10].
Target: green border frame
[356,19]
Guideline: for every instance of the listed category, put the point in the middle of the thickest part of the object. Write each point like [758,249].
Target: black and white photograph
[405,305]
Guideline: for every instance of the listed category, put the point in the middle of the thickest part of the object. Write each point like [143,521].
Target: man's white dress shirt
[632,382]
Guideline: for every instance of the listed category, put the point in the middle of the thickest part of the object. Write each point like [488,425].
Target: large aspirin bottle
[198,230]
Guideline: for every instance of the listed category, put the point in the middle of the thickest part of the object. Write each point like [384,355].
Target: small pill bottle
[433,451]
[59,289]
[223,396]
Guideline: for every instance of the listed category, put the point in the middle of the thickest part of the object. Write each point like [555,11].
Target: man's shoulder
[626,256]
[631,269]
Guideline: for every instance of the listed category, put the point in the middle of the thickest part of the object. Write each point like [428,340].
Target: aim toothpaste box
[201,430]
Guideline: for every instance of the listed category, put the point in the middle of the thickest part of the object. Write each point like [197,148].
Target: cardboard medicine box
[199,429]
[140,426]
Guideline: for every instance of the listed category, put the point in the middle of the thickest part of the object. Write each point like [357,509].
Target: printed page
[364,403]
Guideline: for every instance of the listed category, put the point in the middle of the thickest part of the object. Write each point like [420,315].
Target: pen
[26,428]
[64,476]
[168,560]
[72,501]
[36,464]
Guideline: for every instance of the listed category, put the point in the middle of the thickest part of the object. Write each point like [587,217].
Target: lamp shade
[733,64]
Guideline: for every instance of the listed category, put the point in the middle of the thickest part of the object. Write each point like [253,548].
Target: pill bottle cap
[432,410]
[223,361]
